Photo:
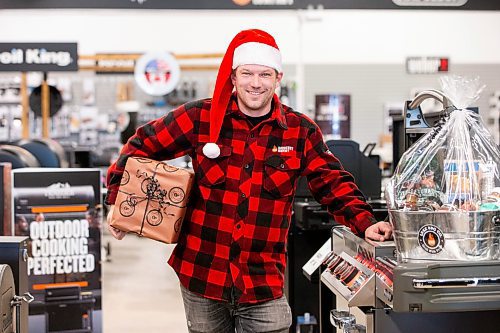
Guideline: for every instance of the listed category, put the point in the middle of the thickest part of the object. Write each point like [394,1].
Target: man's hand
[379,232]
[118,234]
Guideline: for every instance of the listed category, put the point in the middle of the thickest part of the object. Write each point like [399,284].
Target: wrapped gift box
[152,199]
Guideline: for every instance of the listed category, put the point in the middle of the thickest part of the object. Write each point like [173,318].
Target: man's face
[255,85]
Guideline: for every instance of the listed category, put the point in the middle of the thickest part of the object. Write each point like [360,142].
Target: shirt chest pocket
[280,174]
[212,171]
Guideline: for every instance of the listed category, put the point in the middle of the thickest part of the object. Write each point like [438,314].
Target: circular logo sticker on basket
[157,73]
[431,239]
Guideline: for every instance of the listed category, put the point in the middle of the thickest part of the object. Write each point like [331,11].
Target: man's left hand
[379,232]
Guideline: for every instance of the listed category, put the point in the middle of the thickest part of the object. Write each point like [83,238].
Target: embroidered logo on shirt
[282,149]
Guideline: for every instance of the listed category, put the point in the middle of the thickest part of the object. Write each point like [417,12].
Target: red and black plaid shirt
[233,241]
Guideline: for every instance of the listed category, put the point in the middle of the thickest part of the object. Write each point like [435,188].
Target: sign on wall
[38,57]
[257,4]
[434,3]
[115,63]
[333,115]
[157,73]
[60,211]
[427,65]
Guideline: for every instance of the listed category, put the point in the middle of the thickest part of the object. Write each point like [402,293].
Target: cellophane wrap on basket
[444,197]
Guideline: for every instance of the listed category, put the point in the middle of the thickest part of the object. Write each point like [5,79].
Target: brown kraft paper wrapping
[152,199]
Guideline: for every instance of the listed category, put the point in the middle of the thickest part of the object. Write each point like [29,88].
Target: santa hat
[249,47]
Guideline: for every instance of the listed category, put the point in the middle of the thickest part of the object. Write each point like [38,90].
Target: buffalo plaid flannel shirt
[233,241]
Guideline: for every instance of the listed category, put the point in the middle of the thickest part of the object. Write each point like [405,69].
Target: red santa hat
[249,47]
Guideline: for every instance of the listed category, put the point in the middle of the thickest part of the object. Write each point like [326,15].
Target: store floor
[140,291]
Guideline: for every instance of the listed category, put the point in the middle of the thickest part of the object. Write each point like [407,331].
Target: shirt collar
[278,111]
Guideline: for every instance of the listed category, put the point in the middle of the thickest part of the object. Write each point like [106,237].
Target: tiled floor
[140,291]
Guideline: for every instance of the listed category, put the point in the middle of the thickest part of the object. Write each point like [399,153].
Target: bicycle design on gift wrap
[158,199]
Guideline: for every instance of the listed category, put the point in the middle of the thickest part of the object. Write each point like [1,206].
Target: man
[248,151]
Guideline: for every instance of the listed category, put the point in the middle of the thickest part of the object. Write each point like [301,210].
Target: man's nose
[255,81]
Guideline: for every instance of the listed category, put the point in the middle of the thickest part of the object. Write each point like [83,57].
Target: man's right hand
[118,234]
[379,232]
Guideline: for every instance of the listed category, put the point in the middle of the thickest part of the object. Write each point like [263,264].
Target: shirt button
[243,195]
[252,135]
[282,166]
[247,166]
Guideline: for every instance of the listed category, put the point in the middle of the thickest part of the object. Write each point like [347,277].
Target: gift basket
[444,197]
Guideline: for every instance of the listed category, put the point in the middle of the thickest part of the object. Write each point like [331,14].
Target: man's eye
[266,75]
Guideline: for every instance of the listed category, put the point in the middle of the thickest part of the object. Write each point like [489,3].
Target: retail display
[333,115]
[10,111]
[59,210]
[5,198]
[376,294]
[152,199]
[442,272]
[7,292]
[18,157]
[48,152]
[15,296]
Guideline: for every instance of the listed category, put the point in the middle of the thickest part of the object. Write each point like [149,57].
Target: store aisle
[140,291]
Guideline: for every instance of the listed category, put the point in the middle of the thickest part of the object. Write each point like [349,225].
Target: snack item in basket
[495,192]
[429,207]
[489,206]
[428,180]
[468,206]
[434,203]
[448,208]
[411,201]
[459,184]
[493,196]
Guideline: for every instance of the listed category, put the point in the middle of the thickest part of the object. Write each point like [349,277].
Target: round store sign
[157,73]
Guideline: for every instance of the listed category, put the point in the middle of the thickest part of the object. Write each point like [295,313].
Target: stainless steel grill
[375,293]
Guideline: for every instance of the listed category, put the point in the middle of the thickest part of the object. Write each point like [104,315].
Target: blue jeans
[205,315]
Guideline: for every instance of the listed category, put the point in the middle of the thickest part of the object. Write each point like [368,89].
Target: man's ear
[279,76]
[233,77]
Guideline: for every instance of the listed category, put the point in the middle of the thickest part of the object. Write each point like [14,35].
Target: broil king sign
[42,57]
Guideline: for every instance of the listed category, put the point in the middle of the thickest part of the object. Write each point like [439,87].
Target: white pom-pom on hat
[211,150]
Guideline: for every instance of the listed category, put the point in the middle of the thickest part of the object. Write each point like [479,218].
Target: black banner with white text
[256,4]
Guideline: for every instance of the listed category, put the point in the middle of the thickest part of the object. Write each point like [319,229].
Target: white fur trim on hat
[253,53]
